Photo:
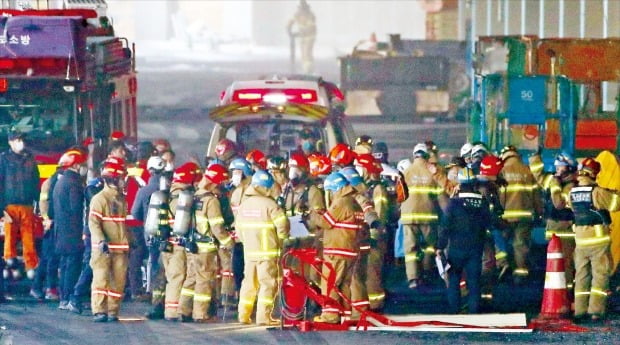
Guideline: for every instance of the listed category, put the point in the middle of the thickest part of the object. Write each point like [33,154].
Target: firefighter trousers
[419,245]
[592,272]
[521,238]
[157,275]
[359,292]
[226,272]
[343,269]
[22,225]
[175,267]
[199,285]
[260,281]
[109,276]
[374,277]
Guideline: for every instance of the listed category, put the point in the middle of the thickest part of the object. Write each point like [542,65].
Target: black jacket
[68,199]
[19,179]
[141,203]
[463,225]
[93,187]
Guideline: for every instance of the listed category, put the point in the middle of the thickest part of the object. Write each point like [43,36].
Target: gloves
[377,224]
[103,247]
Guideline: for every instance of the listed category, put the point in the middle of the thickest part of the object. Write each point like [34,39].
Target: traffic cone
[555,304]
[555,309]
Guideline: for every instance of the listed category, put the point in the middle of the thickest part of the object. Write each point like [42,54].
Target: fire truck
[65,77]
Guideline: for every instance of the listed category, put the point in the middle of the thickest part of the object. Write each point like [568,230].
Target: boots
[156,312]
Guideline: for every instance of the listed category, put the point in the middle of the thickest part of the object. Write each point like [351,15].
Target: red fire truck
[64,77]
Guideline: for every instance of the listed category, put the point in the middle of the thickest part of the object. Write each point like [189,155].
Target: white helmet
[403,165]
[421,147]
[155,163]
[479,150]
[466,149]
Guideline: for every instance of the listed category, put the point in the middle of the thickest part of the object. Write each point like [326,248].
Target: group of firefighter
[214,235]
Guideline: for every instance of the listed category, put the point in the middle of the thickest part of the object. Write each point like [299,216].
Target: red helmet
[257,157]
[161,145]
[299,160]
[217,173]
[589,167]
[115,160]
[187,173]
[342,155]
[112,169]
[225,149]
[71,157]
[490,165]
[368,162]
[117,135]
[87,141]
[319,165]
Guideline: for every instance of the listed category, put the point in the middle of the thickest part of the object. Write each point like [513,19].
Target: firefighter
[68,199]
[463,228]
[465,152]
[478,151]
[419,216]
[489,185]
[277,167]
[110,243]
[137,177]
[174,258]
[19,190]
[591,205]
[156,281]
[209,235]
[305,29]
[257,159]
[307,142]
[369,169]
[341,224]
[363,145]
[231,262]
[341,156]
[522,204]
[299,195]
[225,151]
[559,217]
[319,166]
[262,226]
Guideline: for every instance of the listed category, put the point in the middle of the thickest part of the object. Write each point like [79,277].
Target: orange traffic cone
[555,308]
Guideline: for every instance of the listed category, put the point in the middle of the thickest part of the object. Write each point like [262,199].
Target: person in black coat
[68,200]
[462,234]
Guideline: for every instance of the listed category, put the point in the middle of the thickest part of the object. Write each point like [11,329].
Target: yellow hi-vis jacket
[106,220]
[261,225]
[521,198]
[209,219]
[421,207]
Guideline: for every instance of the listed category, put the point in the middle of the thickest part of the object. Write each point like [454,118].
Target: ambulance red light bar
[275,96]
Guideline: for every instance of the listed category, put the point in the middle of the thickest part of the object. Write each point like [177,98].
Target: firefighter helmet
[161,145]
[319,164]
[276,163]
[420,150]
[335,182]
[217,173]
[565,159]
[342,155]
[258,158]
[243,165]
[589,167]
[262,178]
[403,164]
[466,175]
[113,170]
[366,139]
[363,145]
[187,173]
[115,160]
[298,160]
[380,152]
[479,150]
[71,157]
[490,165]
[156,163]
[507,152]
[117,136]
[368,162]
[466,150]
[225,149]
[352,176]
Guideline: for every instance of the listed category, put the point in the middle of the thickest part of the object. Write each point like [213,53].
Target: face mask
[83,170]
[169,167]
[18,146]
[307,146]
[294,173]
[236,178]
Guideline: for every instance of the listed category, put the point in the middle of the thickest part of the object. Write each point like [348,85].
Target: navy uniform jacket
[463,225]
[68,199]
